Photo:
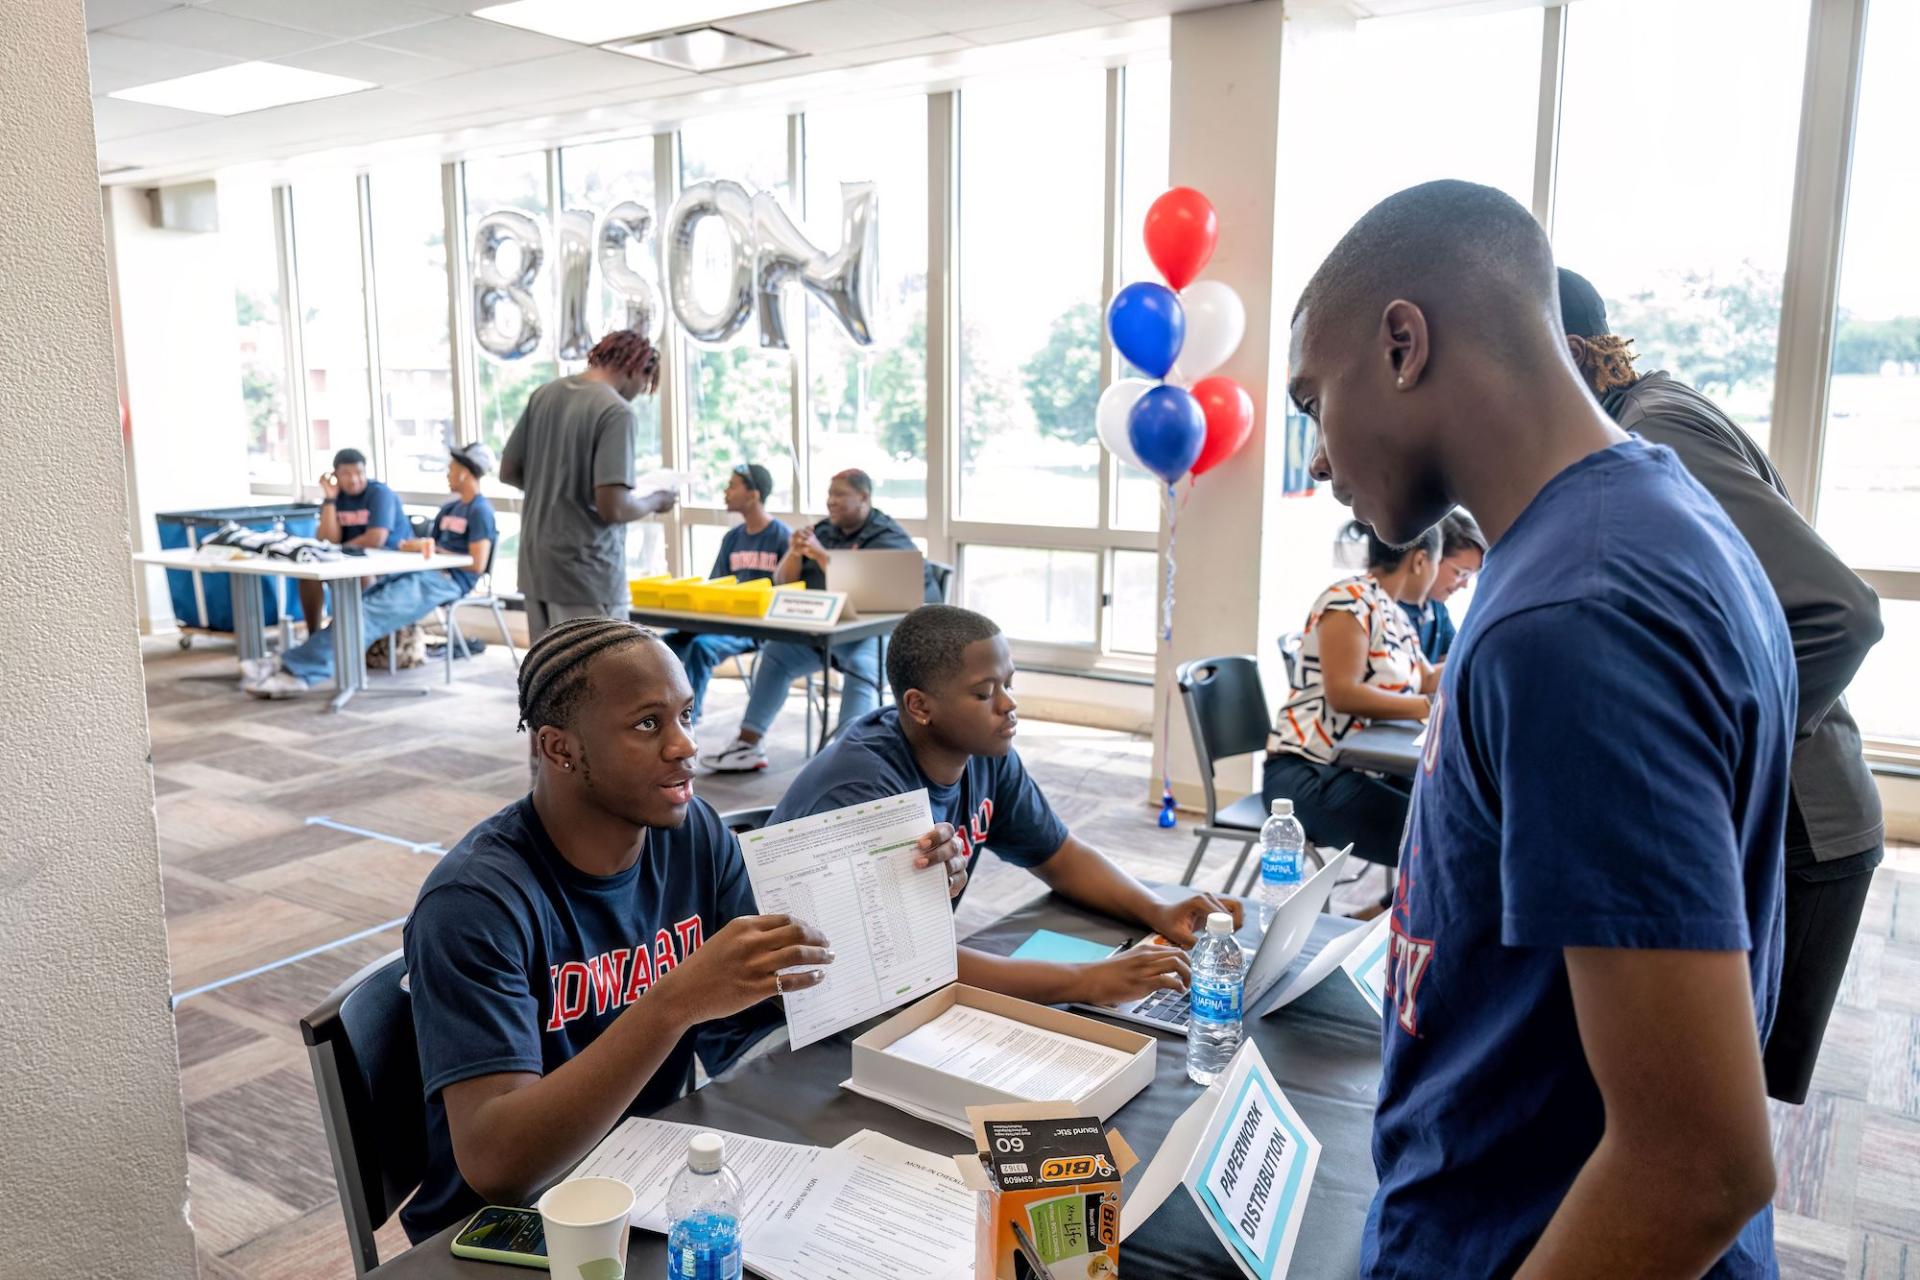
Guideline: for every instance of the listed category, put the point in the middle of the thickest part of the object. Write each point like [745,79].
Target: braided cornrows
[554,672]
[627,352]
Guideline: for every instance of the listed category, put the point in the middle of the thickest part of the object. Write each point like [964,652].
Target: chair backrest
[1226,710]
[366,1067]
[941,577]
[741,821]
[1290,645]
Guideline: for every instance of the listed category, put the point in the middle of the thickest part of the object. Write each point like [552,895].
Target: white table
[344,575]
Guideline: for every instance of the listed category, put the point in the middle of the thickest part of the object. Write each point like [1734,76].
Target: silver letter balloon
[727,201]
[629,224]
[492,287]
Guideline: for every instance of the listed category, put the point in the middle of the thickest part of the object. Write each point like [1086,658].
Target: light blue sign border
[1288,1193]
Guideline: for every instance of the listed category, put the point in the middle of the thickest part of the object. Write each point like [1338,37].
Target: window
[1135,614]
[1660,101]
[703,542]
[1870,481]
[739,398]
[593,179]
[1885,698]
[253,255]
[867,406]
[1034,594]
[333,321]
[1146,110]
[408,218]
[510,182]
[1031,246]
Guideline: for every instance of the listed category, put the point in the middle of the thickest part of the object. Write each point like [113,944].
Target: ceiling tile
[977,15]
[905,49]
[830,26]
[1047,24]
[218,33]
[104,13]
[371,62]
[780,69]
[120,63]
[475,42]
[347,18]
[583,71]
[115,118]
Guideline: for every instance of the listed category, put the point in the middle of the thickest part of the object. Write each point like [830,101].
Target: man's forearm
[375,537]
[1081,873]
[627,505]
[1041,981]
[329,525]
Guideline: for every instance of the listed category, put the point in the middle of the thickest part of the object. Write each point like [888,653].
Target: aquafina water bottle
[1213,1021]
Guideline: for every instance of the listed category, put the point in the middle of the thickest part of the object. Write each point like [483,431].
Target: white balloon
[1216,321]
[1110,418]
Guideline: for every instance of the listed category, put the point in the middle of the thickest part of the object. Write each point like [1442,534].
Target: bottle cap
[1283,808]
[706,1152]
[1219,922]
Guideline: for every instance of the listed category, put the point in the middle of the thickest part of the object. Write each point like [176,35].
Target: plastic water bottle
[1213,1021]
[1282,842]
[703,1213]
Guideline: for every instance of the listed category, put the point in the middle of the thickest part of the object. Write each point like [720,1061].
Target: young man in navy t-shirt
[1586,931]
[355,511]
[951,731]
[750,551]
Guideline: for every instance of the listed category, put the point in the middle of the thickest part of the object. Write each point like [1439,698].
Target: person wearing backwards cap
[465,525]
[751,550]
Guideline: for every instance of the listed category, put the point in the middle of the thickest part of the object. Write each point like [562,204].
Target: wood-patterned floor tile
[362,882]
[1887,1194]
[285,995]
[204,1036]
[271,1052]
[243,934]
[1885,1257]
[1802,1154]
[1896,1064]
[197,821]
[262,763]
[267,1133]
[1811,1250]
[227,1211]
[183,893]
[243,858]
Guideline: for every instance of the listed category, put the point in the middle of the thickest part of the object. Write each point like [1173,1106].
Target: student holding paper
[1584,948]
[951,731]
[574,952]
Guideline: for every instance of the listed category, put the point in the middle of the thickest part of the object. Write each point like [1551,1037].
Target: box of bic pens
[1048,1186]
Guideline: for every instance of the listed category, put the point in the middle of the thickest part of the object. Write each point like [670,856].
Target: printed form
[849,873]
[989,1049]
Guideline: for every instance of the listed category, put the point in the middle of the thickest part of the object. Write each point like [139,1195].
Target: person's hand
[662,500]
[815,553]
[943,844]
[739,966]
[1181,922]
[329,486]
[802,538]
[1134,973]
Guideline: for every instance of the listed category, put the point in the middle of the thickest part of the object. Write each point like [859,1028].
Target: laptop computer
[878,581]
[1286,935]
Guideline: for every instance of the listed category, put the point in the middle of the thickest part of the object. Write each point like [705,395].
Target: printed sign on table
[1367,964]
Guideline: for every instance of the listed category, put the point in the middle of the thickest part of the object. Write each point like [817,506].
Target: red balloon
[1229,413]
[1181,233]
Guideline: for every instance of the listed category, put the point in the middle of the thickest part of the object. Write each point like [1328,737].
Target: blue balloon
[1149,326]
[1167,429]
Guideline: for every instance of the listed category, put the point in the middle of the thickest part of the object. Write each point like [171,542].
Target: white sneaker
[738,756]
[254,670]
[278,684]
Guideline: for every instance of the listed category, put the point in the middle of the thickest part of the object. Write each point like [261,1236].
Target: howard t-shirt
[1606,766]
[517,961]
[994,803]
[458,525]
[749,556]
[374,507]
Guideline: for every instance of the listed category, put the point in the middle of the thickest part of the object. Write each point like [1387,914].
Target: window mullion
[1546,142]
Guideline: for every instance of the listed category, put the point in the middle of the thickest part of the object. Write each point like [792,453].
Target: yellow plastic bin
[652,593]
[690,596]
[645,592]
[744,599]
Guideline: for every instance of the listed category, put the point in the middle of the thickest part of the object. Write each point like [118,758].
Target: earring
[568,766]
[1400,382]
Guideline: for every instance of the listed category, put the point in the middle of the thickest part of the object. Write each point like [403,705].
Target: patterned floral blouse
[1307,725]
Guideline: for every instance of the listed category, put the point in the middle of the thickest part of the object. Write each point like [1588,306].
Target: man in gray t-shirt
[572,453]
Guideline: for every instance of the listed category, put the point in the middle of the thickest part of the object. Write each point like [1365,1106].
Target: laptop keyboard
[1165,1005]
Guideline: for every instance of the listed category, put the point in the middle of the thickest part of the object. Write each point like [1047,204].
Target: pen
[1040,1268]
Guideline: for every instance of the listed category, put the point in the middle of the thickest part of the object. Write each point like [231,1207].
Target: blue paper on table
[1062,948]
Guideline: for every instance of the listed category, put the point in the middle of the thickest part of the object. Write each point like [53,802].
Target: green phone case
[480,1253]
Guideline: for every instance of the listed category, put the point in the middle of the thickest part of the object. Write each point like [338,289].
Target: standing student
[1463,548]
[750,551]
[1586,934]
[1834,831]
[951,731]
[355,511]
[572,452]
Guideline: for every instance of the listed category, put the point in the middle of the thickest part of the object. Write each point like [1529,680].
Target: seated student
[952,732]
[355,511]
[1361,661]
[1463,548]
[751,550]
[852,522]
[463,526]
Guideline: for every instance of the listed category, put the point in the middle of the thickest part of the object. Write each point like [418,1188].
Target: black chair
[1227,713]
[741,821]
[366,1068]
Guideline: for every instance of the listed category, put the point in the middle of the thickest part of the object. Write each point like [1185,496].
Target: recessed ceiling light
[702,49]
[243,87]
[597,22]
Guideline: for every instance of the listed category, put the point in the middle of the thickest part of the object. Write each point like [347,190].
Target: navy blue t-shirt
[458,525]
[517,961]
[995,803]
[748,556]
[375,506]
[1434,625]
[1606,766]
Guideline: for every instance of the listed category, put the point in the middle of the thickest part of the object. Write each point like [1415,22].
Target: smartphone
[500,1234]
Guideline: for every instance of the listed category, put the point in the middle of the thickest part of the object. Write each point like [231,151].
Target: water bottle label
[1273,864]
[1216,1001]
[703,1262]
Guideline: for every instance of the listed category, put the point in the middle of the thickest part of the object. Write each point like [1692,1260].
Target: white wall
[92,1141]
[179,373]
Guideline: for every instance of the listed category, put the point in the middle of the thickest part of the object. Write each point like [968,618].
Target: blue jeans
[701,654]
[783,661]
[387,606]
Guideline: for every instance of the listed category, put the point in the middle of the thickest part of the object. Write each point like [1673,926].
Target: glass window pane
[703,545]
[253,255]
[1034,594]
[1135,618]
[510,182]
[410,301]
[1657,102]
[867,406]
[1885,698]
[739,399]
[1143,178]
[1031,240]
[333,326]
[1870,484]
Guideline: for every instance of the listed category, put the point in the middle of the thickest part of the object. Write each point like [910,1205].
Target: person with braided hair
[573,454]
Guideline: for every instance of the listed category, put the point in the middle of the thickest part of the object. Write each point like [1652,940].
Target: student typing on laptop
[952,732]
[852,522]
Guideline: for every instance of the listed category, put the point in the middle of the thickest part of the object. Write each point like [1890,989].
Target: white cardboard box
[944,1098]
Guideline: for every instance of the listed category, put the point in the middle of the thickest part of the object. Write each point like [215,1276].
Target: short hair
[858,479]
[627,352]
[553,675]
[1454,249]
[1382,554]
[929,643]
[349,458]
[1460,532]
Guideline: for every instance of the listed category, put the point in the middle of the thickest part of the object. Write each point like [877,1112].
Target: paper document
[1324,962]
[993,1050]
[646,1154]
[849,873]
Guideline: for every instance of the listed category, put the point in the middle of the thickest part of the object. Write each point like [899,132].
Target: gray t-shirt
[574,434]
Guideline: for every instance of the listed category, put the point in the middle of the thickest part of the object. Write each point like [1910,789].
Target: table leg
[349,651]
[249,616]
[826,693]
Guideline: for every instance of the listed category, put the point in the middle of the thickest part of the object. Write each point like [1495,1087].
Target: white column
[92,1140]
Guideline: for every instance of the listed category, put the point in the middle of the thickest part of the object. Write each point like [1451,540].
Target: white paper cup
[586,1226]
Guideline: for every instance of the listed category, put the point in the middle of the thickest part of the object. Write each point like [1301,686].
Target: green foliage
[1863,346]
[260,393]
[1713,332]
[1062,379]
[740,409]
